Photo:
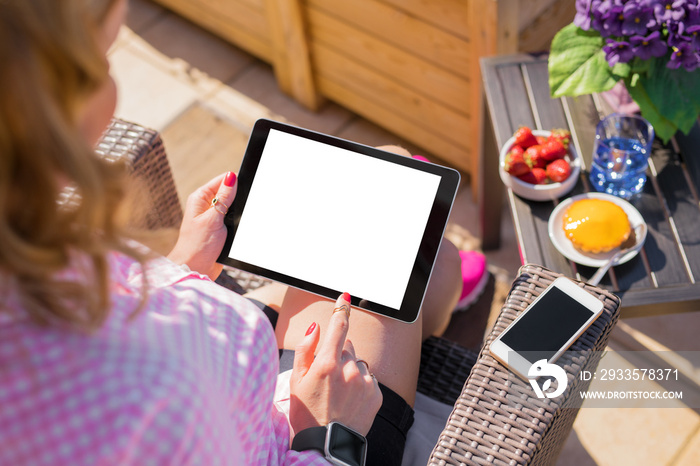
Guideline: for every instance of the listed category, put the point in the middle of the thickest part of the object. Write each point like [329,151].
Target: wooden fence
[410,66]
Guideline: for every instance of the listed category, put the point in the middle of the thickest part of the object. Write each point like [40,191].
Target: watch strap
[313,438]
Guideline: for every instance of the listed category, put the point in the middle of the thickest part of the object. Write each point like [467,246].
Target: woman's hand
[202,234]
[335,386]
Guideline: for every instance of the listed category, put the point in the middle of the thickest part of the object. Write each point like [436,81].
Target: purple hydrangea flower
[618,52]
[684,55]
[668,10]
[676,33]
[600,12]
[692,15]
[583,14]
[694,34]
[637,18]
[645,29]
[649,46]
[611,21]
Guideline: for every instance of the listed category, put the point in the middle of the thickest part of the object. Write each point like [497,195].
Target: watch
[340,444]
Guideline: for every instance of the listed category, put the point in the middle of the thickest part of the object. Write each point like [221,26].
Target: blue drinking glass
[620,154]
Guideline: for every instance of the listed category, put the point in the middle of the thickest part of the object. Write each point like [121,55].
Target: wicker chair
[496,419]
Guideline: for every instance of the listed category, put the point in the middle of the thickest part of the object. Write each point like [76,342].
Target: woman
[110,354]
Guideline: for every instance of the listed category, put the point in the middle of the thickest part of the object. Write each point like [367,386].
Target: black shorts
[386,439]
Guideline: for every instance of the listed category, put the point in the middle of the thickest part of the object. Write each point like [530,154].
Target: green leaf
[675,93]
[621,70]
[663,127]
[640,66]
[668,99]
[577,64]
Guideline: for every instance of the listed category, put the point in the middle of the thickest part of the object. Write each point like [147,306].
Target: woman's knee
[395,149]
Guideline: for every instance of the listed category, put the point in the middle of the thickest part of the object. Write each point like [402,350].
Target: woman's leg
[443,290]
[391,347]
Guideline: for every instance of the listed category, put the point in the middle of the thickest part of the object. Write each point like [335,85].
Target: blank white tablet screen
[335,218]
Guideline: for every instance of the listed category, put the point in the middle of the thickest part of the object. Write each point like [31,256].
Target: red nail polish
[346,297]
[311,328]
[230,179]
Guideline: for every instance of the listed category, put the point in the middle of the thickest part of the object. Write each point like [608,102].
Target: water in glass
[620,155]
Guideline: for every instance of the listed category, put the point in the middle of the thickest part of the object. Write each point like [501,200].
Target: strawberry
[534,157]
[540,175]
[541,140]
[535,176]
[558,171]
[562,135]
[524,137]
[515,163]
[516,151]
[553,149]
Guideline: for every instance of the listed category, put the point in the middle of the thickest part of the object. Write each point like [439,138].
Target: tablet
[328,215]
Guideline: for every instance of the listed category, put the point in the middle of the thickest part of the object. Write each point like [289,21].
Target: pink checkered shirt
[189,380]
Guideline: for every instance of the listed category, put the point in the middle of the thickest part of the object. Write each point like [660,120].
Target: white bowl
[540,192]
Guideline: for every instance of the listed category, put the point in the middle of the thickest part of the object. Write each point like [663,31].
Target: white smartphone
[546,328]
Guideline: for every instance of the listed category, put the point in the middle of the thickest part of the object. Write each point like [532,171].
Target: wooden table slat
[552,258]
[583,116]
[526,230]
[490,196]
[495,99]
[516,98]
[682,209]
[689,144]
[657,301]
[660,246]
[632,275]
[550,111]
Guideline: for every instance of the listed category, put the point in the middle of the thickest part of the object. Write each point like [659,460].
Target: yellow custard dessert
[596,225]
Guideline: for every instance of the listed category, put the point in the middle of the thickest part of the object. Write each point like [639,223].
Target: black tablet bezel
[430,243]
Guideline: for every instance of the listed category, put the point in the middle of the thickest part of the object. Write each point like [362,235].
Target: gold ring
[344,308]
[358,361]
[215,203]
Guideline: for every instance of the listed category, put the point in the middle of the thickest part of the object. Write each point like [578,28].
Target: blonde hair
[50,63]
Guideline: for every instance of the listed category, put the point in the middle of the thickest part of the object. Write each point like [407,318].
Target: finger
[334,340]
[348,351]
[304,352]
[218,194]
[212,186]
[225,193]
[377,397]
[200,199]
[363,367]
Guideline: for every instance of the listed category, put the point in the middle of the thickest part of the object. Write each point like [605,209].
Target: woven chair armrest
[497,418]
[444,366]
[143,151]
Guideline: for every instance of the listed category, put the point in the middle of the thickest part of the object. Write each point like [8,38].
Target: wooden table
[661,279]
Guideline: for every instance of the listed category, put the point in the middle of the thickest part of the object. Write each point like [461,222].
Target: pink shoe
[421,158]
[475,275]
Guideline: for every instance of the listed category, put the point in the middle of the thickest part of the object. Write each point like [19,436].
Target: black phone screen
[546,326]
